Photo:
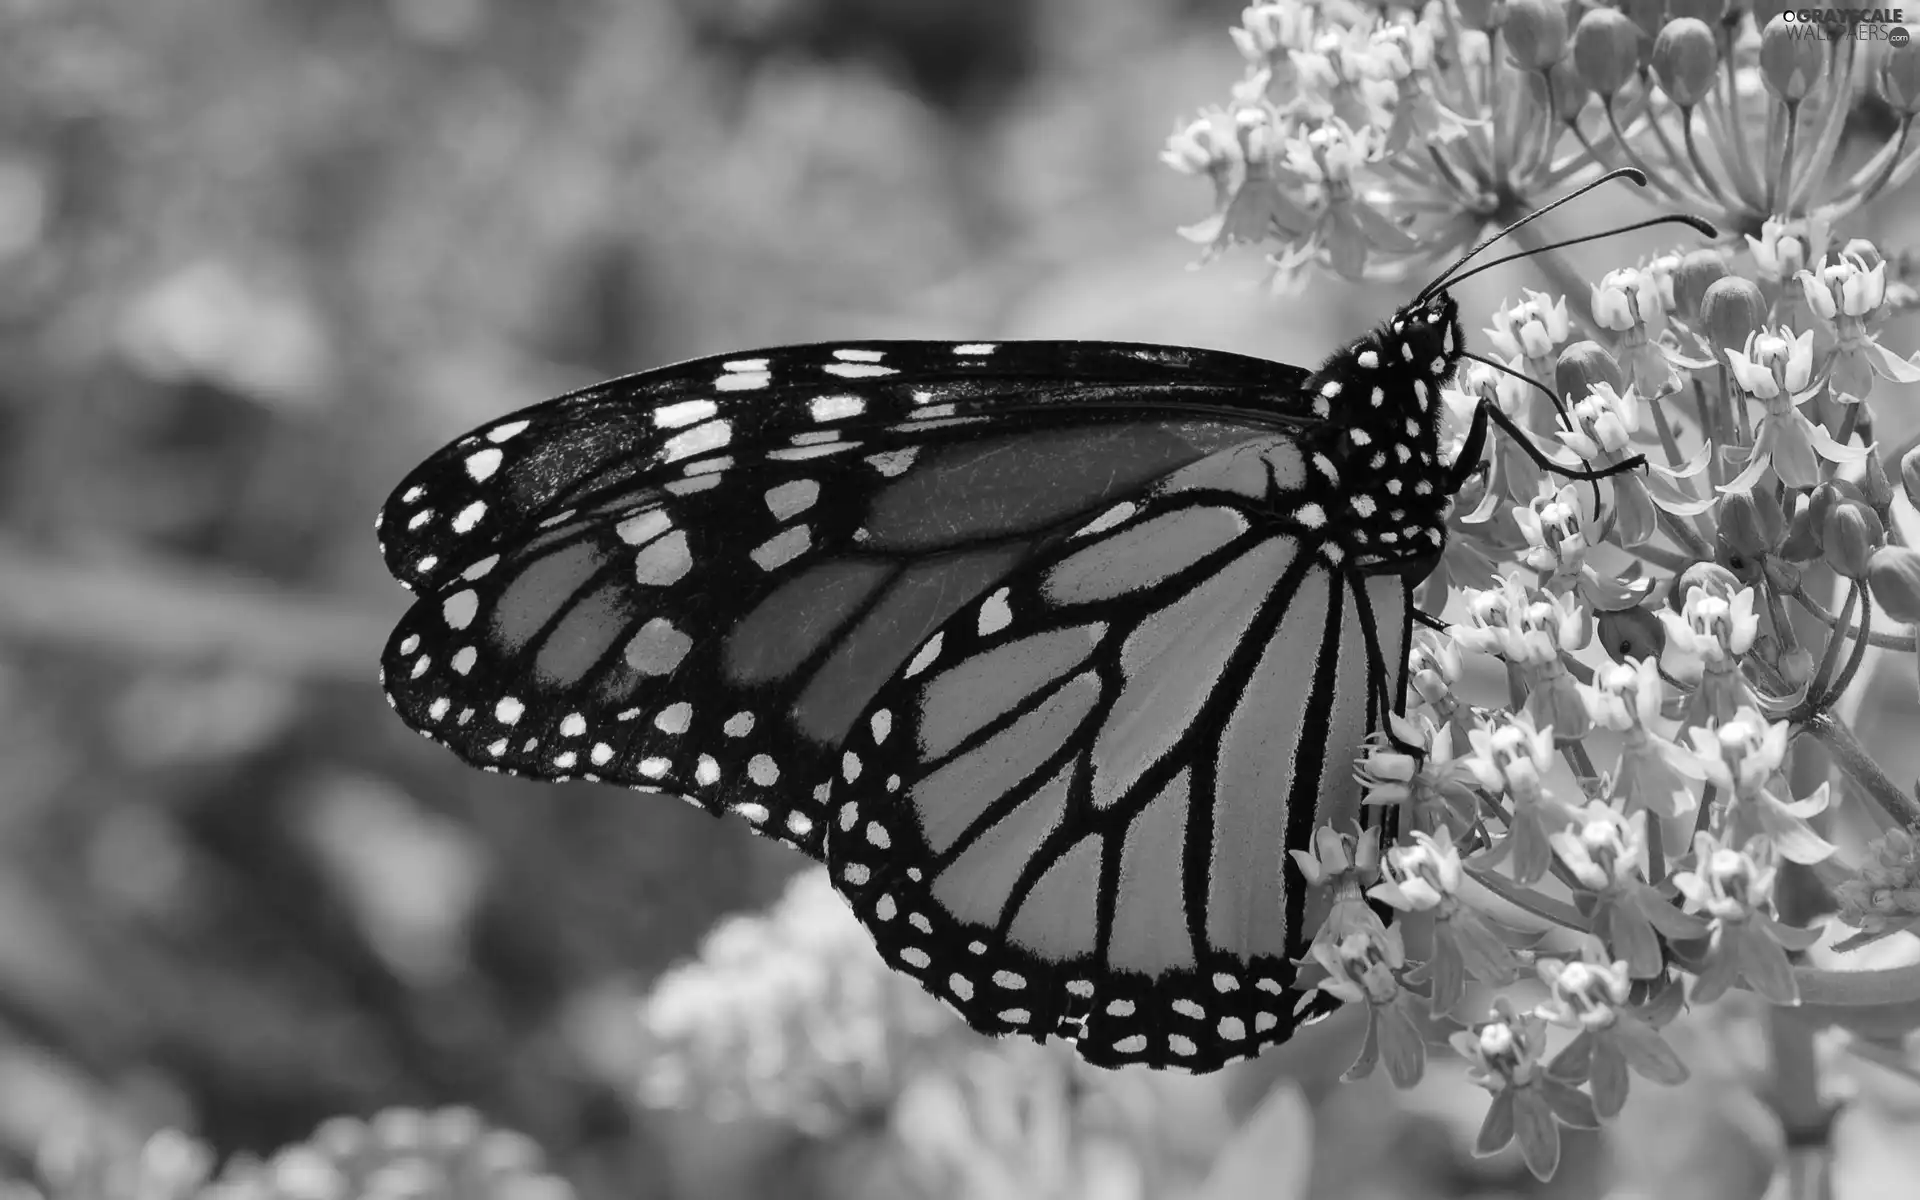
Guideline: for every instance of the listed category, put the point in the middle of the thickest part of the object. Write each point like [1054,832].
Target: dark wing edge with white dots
[1069,815]
[683,584]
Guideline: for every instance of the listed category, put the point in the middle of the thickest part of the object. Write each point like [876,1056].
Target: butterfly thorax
[1379,453]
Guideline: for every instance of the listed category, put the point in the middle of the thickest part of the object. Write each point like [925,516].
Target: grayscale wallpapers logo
[1853,24]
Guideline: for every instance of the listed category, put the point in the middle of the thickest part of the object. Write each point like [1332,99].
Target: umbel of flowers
[1673,644]
[1370,144]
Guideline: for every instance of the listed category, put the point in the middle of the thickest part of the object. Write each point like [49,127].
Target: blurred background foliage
[257,257]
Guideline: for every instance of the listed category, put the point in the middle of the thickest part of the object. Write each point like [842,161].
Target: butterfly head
[1428,336]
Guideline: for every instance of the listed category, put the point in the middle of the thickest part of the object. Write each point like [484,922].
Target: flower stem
[1794,1096]
[1851,757]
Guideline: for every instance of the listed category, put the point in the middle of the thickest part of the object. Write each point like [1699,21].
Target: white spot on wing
[460,607]
[663,562]
[976,348]
[573,725]
[852,370]
[508,711]
[501,433]
[763,770]
[741,381]
[892,462]
[1108,519]
[782,548]
[674,718]
[744,364]
[483,463]
[739,724]
[464,658]
[868,356]
[788,499]
[673,416]
[481,568]
[928,653]
[836,408]
[698,440]
[995,614]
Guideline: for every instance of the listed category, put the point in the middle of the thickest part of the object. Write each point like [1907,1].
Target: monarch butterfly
[1050,650]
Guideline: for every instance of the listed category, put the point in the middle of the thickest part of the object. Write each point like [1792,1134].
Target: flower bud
[1699,270]
[1684,57]
[1864,250]
[1803,534]
[1874,484]
[1851,534]
[1823,499]
[1649,15]
[1898,78]
[1730,312]
[1910,476]
[1570,92]
[1710,11]
[1716,579]
[1536,32]
[1483,15]
[1790,63]
[1631,633]
[1894,575]
[1606,49]
[1751,526]
[1585,366]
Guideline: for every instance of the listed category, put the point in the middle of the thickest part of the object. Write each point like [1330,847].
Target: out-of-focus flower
[451,1152]
[790,1014]
[1529,1104]
[1741,756]
[1734,889]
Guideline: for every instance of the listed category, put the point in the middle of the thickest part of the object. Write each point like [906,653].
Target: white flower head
[1535,327]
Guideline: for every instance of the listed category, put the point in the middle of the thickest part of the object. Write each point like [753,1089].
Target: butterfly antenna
[1698,224]
[1637,177]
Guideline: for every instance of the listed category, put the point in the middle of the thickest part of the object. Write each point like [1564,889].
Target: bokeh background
[258,257]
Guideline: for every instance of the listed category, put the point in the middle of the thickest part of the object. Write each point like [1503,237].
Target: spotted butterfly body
[1050,650]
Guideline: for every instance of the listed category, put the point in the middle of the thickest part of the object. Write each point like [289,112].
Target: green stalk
[1794,1096]
[1844,748]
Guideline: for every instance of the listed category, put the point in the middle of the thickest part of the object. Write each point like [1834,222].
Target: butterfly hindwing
[1069,813]
[706,613]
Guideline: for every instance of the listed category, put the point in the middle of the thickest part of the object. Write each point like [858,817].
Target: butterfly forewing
[690,584]
[1069,813]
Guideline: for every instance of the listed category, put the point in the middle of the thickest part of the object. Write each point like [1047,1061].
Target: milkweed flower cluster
[789,1014]
[1673,640]
[1367,140]
[448,1152]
